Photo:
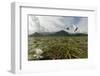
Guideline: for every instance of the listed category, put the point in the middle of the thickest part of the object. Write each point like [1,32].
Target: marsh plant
[51,48]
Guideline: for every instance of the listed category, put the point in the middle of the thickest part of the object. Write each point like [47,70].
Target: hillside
[59,33]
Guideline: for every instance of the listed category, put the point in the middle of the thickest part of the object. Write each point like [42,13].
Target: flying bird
[76,29]
[68,28]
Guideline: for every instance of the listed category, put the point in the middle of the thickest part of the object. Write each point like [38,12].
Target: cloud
[83,25]
[56,23]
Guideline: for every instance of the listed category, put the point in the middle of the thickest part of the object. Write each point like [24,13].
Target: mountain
[59,33]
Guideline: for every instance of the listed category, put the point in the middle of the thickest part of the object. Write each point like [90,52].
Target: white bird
[75,28]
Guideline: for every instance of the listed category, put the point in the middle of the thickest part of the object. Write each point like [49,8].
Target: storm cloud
[57,23]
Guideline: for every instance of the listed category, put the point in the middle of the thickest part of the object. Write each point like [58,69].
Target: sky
[57,23]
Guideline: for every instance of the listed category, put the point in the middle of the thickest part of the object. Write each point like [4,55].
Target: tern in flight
[73,27]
